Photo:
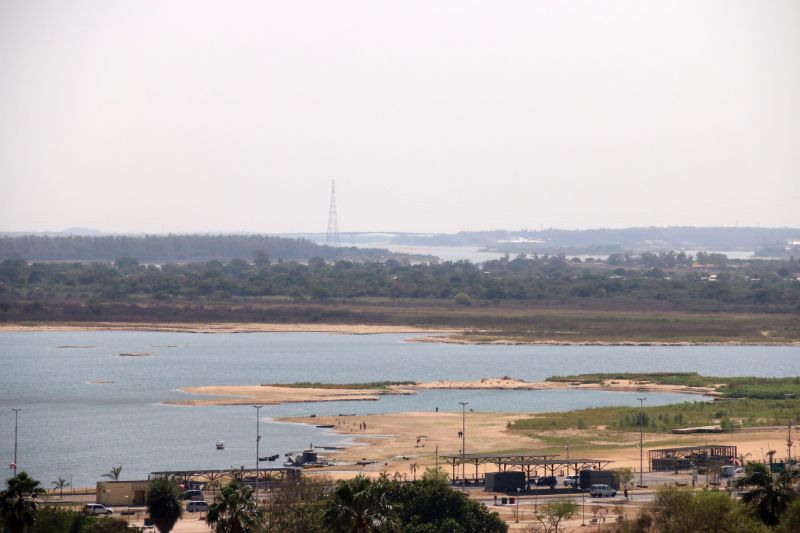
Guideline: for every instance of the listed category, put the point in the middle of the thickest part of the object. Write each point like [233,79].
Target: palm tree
[18,502]
[413,469]
[114,473]
[361,505]
[767,493]
[163,503]
[234,510]
[59,484]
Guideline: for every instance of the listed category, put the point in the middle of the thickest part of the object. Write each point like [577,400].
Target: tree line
[175,248]
[759,286]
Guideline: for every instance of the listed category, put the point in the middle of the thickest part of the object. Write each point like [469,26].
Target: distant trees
[83,290]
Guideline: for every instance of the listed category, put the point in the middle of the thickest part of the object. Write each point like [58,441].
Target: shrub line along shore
[442,334]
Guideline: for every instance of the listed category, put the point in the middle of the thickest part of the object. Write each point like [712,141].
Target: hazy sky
[433,115]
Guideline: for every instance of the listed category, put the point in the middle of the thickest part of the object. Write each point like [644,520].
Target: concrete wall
[121,493]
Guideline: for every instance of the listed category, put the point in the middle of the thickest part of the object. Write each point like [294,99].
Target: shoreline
[223,327]
[443,335]
[272,394]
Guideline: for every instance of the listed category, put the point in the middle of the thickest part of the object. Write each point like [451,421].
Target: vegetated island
[321,392]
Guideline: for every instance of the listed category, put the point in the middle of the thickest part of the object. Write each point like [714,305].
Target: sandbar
[268,394]
[274,394]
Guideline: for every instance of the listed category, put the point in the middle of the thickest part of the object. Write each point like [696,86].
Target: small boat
[325,426]
[220,445]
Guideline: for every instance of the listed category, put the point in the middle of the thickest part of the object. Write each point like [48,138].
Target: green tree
[676,510]
[625,476]
[360,505]
[163,503]
[59,484]
[767,493]
[296,505]
[430,505]
[790,519]
[234,510]
[18,502]
[552,514]
[114,473]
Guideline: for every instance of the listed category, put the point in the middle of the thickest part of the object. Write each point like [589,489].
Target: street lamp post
[463,444]
[583,512]
[258,441]
[641,441]
[16,413]
[517,514]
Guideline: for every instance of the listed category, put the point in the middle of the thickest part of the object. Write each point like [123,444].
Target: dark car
[193,495]
[547,481]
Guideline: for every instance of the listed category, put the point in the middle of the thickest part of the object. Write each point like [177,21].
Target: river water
[72,427]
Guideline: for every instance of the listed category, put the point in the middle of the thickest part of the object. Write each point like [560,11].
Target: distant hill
[637,239]
[180,248]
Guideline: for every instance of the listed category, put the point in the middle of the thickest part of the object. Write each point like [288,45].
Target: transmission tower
[332,238]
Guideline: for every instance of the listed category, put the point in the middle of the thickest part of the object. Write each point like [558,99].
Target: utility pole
[16,413]
[463,444]
[258,442]
[789,444]
[641,441]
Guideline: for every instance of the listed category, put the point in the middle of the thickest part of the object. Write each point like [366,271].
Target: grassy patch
[731,387]
[664,418]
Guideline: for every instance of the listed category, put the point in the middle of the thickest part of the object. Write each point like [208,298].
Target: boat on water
[220,444]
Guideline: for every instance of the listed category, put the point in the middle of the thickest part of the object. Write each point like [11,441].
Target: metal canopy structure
[208,476]
[549,466]
[686,457]
[529,463]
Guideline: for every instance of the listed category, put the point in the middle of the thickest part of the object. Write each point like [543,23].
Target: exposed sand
[611,385]
[353,329]
[391,440]
[269,394]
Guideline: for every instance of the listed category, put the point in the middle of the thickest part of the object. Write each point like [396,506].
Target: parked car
[193,495]
[197,507]
[547,481]
[96,509]
[571,481]
[598,491]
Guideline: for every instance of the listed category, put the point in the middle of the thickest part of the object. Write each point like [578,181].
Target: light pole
[517,514]
[641,440]
[583,512]
[16,413]
[463,443]
[258,441]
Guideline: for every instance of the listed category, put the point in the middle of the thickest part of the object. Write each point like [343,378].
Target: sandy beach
[394,442]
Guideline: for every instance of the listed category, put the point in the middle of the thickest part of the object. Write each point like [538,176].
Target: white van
[197,507]
[598,491]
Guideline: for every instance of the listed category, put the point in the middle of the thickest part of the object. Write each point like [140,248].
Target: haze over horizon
[206,116]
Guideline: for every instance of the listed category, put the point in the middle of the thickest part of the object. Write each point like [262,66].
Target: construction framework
[687,457]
